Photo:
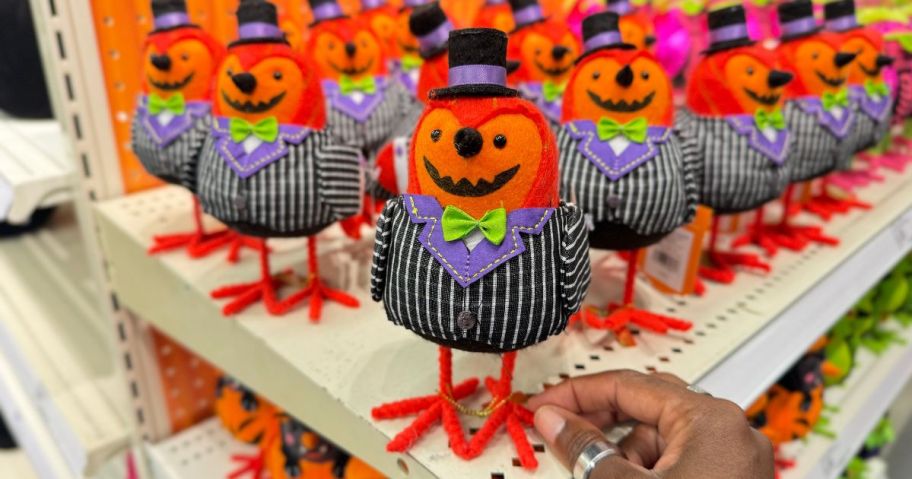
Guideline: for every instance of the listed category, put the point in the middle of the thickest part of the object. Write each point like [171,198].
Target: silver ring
[590,457]
[697,389]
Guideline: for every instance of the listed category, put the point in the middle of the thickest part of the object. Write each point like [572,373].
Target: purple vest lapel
[533,91]
[361,112]
[164,135]
[408,79]
[601,155]
[776,151]
[875,108]
[839,128]
[467,267]
[247,164]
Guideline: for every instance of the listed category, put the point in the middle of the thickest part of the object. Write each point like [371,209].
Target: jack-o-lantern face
[357,57]
[185,67]
[246,416]
[405,41]
[637,30]
[383,24]
[820,67]
[623,86]
[490,163]
[274,87]
[549,59]
[754,85]
[868,64]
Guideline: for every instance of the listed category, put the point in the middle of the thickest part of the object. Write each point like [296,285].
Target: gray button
[466,320]
[240,201]
[615,201]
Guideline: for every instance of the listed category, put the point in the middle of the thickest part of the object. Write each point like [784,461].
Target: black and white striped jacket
[650,194]
[496,299]
[370,124]
[872,122]
[819,138]
[740,168]
[295,186]
[170,151]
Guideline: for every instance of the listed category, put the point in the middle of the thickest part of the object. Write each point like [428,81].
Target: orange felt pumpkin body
[734,82]
[346,47]
[406,43]
[384,23]
[546,51]
[595,89]
[182,60]
[498,16]
[280,84]
[303,454]
[248,417]
[515,167]
[813,61]
[791,415]
[868,44]
[638,30]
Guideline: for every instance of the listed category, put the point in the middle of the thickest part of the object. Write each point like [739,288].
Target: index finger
[625,394]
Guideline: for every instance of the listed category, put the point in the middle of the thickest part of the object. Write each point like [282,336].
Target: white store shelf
[202,451]
[331,374]
[60,362]
[866,395]
[35,167]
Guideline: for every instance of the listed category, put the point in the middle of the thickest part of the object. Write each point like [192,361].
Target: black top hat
[258,22]
[840,15]
[601,32]
[170,14]
[430,25]
[325,10]
[796,19]
[728,29]
[526,12]
[478,65]
[621,7]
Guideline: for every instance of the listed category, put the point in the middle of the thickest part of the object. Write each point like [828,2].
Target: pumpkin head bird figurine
[546,50]
[171,120]
[495,14]
[407,68]
[249,418]
[482,235]
[303,454]
[621,161]
[734,119]
[636,27]
[269,169]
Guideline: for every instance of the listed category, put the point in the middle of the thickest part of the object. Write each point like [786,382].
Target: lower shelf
[203,451]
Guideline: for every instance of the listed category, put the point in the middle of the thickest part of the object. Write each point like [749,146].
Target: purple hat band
[492,3]
[413,3]
[622,7]
[435,38]
[171,20]
[729,33]
[478,75]
[603,39]
[372,4]
[797,27]
[327,11]
[530,14]
[842,24]
[254,30]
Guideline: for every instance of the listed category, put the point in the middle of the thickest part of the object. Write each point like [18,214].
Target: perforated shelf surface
[331,374]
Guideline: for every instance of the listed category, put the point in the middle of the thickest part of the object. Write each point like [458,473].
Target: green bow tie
[552,91]
[411,62]
[266,130]
[634,131]
[347,85]
[774,119]
[874,88]
[831,100]
[458,224]
[175,104]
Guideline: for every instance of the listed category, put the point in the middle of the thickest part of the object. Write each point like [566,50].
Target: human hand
[679,434]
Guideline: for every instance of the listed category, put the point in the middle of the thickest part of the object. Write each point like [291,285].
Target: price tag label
[672,264]
[902,231]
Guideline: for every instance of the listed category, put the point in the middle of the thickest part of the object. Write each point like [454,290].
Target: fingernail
[549,423]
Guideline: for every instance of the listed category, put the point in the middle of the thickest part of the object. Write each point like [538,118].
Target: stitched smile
[250,107]
[464,187]
[621,106]
[353,71]
[768,100]
[171,86]
[553,71]
[871,73]
[407,48]
[833,82]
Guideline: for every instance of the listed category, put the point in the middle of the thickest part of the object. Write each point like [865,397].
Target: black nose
[161,62]
[245,82]
[559,52]
[843,59]
[351,49]
[884,60]
[778,78]
[468,142]
[650,40]
[625,76]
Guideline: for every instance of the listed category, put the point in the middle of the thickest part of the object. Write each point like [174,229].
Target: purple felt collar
[534,92]
[246,165]
[878,109]
[776,151]
[408,79]
[467,267]
[164,135]
[602,156]
[360,112]
[840,128]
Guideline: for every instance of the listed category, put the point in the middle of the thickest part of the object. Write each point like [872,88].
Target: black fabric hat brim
[481,90]
[808,33]
[249,41]
[616,46]
[728,45]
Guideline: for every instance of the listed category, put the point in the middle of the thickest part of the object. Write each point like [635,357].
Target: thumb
[568,435]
